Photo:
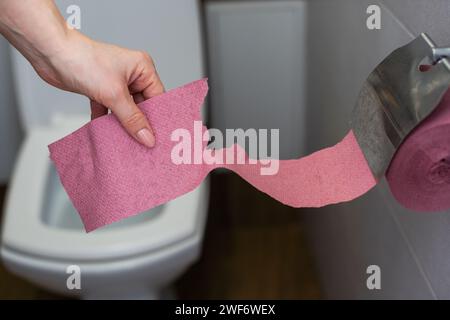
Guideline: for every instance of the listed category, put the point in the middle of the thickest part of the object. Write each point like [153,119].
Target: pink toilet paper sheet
[109,176]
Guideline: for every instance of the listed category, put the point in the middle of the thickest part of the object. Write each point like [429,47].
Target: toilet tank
[169,30]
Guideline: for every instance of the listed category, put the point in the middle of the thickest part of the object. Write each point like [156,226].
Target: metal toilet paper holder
[396,97]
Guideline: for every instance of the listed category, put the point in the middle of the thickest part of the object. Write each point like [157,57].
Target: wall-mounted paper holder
[396,97]
[440,53]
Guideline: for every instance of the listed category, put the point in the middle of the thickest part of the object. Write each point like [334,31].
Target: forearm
[34,27]
[110,76]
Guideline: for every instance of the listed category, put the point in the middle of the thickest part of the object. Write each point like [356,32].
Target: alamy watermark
[73,19]
[373,21]
[73,281]
[373,281]
[190,149]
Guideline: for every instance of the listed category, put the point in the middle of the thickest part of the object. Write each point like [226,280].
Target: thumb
[133,119]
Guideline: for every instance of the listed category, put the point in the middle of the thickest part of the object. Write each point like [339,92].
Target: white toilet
[42,238]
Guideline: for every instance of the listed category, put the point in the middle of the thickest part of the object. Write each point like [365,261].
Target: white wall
[10,131]
[412,249]
[431,16]
[258,68]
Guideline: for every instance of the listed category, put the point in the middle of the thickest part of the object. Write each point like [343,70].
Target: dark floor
[254,248]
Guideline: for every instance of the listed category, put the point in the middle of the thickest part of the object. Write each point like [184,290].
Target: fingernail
[146,138]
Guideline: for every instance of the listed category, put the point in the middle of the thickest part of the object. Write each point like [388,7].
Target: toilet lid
[26,231]
[178,26]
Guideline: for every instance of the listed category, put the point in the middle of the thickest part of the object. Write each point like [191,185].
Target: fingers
[138,98]
[122,99]
[154,88]
[97,110]
[132,119]
[147,83]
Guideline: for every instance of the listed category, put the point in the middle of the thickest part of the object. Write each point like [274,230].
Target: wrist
[62,45]
[35,28]
[67,50]
[63,60]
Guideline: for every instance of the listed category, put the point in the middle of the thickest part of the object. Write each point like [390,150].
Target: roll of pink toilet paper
[419,174]
[109,176]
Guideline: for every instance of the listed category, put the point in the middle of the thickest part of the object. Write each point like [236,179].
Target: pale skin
[111,77]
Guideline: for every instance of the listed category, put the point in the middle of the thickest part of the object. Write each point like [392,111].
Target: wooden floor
[254,248]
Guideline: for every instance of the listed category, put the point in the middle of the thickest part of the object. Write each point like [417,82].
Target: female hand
[111,77]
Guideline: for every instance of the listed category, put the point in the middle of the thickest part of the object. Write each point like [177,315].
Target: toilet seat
[25,231]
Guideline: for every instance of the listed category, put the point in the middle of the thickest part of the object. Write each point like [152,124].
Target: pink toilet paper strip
[109,176]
